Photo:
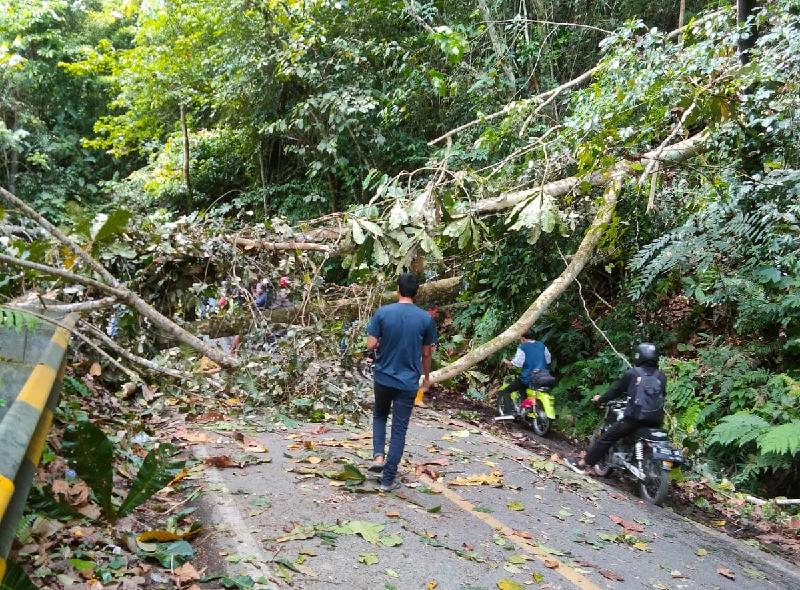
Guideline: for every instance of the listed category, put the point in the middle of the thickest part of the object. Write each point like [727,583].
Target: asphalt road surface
[527,521]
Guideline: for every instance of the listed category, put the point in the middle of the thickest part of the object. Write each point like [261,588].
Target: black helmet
[645,354]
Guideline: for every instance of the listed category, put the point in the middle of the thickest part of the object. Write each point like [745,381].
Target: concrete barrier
[31,368]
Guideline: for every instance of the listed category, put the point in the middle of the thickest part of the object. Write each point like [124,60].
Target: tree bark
[747,36]
[500,50]
[348,308]
[185,131]
[681,14]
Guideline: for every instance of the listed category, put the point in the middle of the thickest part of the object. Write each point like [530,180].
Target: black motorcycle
[647,454]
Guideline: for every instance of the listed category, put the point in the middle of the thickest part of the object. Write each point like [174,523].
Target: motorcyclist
[645,386]
[533,357]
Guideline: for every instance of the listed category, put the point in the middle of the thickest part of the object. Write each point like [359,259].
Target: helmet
[283,282]
[645,353]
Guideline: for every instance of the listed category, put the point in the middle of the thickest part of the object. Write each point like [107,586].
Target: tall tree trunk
[334,199]
[682,14]
[13,161]
[185,130]
[747,38]
[500,49]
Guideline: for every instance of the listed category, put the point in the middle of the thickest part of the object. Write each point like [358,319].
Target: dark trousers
[400,402]
[597,452]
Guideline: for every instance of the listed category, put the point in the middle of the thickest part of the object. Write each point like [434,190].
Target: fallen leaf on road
[724,571]
[551,563]
[392,574]
[298,533]
[628,525]
[641,546]
[432,585]
[313,459]
[194,436]
[717,523]
[506,584]
[368,558]
[95,370]
[518,506]
[701,552]
[392,514]
[522,534]
[495,478]
[676,574]
[220,461]
[186,573]
[609,575]
[249,444]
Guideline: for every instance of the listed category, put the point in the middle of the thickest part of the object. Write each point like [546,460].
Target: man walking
[403,335]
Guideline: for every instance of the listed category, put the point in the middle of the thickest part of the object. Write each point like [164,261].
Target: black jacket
[624,386]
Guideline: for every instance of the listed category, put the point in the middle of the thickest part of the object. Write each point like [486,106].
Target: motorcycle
[647,455]
[536,410]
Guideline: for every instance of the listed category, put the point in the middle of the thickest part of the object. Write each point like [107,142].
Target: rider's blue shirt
[535,356]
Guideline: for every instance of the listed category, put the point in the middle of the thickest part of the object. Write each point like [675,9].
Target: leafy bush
[91,454]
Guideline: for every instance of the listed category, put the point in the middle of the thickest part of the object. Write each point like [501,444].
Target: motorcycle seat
[654,434]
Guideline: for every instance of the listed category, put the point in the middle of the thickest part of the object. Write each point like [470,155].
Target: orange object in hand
[418,400]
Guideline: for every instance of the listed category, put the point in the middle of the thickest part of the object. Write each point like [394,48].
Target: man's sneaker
[575,465]
[376,468]
[395,485]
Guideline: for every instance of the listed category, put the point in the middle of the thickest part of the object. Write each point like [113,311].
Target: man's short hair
[408,285]
[529,335]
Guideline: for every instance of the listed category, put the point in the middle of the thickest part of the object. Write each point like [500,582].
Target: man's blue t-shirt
[534,359]
[402,328]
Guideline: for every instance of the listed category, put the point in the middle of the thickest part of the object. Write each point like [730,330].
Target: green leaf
[738,429]
[391,540]
[379,254]
[113,225]
[348,473]
[368,558]
[518,506]
[781,439]
[369,531]
[16,579]
[91,455]
[82,565]
[359,237]
[157,471]
[372,227]
[172,555]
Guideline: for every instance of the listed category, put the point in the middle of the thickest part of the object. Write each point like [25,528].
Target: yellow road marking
[565,571]
[37,388]
[36,445]
[61,338]
[6,491]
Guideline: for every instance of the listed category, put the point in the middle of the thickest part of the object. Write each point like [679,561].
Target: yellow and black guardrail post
[26,417]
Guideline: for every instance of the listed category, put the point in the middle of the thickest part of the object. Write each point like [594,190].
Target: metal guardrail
[31,368]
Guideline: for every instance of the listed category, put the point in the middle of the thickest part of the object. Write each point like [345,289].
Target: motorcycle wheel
[539,423]
[655,487]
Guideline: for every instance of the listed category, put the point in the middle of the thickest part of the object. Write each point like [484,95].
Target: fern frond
[781,439]
[738,429]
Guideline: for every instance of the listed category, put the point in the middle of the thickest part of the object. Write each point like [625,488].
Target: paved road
[535,523]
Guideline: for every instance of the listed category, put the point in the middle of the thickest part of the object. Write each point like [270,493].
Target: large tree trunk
[500,50]
[747,37]
[443,290]
[185,131]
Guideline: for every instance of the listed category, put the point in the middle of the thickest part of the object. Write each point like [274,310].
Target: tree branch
[127,354]
[115,287]
[548,296]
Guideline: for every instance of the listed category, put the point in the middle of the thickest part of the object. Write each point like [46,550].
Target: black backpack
[647,393]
